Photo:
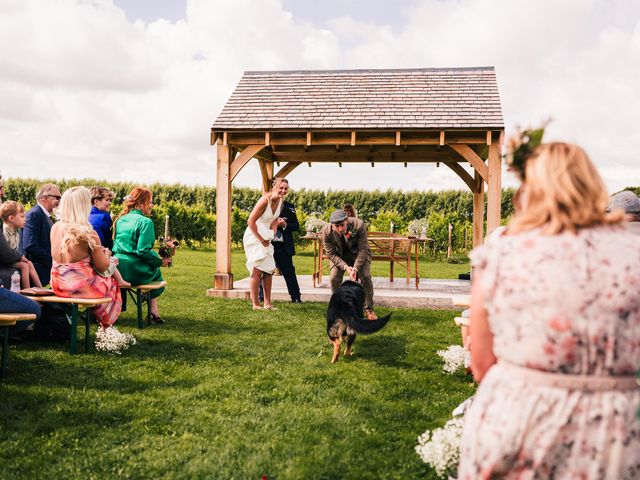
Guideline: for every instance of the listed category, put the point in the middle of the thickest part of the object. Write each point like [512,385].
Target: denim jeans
[11,302]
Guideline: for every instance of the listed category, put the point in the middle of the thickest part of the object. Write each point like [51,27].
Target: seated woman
[78,255]
[134,235]
[99,217]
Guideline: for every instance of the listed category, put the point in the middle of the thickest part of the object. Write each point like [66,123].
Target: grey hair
[45,190]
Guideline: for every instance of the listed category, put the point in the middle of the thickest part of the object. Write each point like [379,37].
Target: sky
[127,90]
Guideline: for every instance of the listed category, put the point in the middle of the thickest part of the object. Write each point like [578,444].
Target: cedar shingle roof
[361,99]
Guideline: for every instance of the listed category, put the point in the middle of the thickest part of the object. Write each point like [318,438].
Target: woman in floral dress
[555,332]
[78,255]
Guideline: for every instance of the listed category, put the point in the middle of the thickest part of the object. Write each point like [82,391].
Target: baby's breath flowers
[454,357]
[112,340]
[440,448]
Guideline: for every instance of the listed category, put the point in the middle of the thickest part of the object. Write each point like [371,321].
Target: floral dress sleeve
[484,260]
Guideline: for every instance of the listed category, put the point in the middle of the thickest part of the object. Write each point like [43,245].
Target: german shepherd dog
[345,317]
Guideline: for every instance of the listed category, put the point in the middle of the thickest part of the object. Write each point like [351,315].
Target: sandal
[156,318]
[258,307]
[270,307]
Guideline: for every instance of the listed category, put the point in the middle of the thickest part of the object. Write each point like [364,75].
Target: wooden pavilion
[448,115]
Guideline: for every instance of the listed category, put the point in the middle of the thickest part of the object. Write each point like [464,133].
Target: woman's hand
[265,243]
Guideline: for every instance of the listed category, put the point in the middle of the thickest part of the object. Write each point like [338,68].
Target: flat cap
[626,201]
[338,216]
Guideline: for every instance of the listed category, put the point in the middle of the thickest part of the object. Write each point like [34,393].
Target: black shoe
[156,318]
[296,300]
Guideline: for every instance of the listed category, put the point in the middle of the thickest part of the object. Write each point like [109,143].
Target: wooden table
[384,247]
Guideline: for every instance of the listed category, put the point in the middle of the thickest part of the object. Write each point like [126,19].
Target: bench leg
[73,342]
[139,308]
[5,351]
[86,330]
[146,298]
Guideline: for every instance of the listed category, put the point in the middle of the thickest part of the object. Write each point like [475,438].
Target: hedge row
[192,209]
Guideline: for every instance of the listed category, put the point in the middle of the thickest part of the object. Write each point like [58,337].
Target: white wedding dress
[258,255]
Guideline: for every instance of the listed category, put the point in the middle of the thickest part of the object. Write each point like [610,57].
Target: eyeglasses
[57,197]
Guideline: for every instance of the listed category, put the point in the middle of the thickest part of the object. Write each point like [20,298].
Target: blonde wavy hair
[73,214]
[563,192]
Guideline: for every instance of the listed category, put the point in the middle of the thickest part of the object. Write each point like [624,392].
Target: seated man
[36,231]
[11,302]
[347,246]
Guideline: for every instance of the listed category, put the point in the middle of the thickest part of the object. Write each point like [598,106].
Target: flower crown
[521,145]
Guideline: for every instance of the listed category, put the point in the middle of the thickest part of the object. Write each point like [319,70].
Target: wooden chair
[140,294]
[8,320]
[76,305]
[384,248]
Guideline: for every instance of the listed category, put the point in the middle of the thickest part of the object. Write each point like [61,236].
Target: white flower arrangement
[112,340]
[454,357]
[314,224]
[418,227]
[440,448]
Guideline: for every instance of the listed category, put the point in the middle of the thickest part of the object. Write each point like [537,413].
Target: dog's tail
[369,326]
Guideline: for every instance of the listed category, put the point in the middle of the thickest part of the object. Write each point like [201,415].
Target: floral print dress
[568,304]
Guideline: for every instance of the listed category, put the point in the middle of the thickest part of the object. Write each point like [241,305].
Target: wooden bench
[76,304]
[8,320]
[140,294]
[463,323]
[393,248]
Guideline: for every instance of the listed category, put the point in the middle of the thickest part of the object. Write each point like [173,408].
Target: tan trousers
[364,275]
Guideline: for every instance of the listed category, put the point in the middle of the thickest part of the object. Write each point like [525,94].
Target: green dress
[133,246]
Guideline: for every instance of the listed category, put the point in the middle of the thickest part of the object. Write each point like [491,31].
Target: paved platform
[431,293]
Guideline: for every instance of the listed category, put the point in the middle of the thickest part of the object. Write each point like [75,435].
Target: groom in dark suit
[347,246]
[284,250]
[35,234]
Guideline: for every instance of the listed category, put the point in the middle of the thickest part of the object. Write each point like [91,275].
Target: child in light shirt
[12,214]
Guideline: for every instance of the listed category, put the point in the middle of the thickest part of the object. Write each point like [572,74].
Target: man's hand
[353,273]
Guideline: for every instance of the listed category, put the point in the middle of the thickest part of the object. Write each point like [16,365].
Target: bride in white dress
[262,225]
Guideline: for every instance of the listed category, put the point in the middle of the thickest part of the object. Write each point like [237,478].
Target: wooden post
[494,187]
[266,171]
[166,227]
[449,246]
[223,279]
[478,210]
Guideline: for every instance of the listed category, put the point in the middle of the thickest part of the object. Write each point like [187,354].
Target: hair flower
[521,145]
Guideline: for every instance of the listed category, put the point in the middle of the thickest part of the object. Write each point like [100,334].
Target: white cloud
[86,93]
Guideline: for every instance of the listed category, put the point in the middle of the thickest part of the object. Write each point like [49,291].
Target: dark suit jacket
[357,244]
[289,213]
[37,243]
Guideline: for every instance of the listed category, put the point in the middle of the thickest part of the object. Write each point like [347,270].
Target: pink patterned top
[567,303]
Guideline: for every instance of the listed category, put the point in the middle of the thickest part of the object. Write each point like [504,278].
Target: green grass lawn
[223,392]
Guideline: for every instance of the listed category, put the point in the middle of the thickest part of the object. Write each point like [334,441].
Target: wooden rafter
[287,169]
[463,174]
[472,157]
[241,160]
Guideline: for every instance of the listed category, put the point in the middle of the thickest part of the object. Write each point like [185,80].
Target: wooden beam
[287,169]
[225,137]
[462,173]
[308,139]
[267,140]
[488,137]
[466,152]
[382,157]
[478,210]
[247,154]
[213,137]
[353,139]
[223,279]
[398,138]
[494,187]
[442,138]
